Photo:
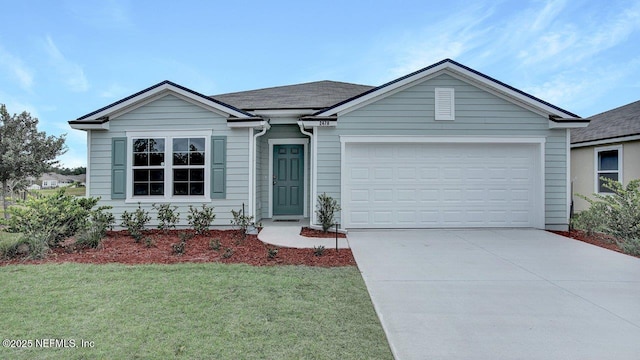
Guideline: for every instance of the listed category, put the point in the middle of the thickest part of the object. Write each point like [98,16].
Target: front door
[288,180]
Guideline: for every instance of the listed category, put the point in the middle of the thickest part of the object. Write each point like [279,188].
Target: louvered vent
[445,105]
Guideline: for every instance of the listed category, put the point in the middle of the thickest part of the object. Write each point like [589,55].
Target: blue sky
[62,59]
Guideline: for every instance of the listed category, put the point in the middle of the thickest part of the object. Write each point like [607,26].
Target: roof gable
[612,124]
[101,115]
[456,69]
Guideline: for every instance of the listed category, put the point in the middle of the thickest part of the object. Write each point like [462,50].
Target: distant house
[53,180]
[609,147]
[445,146]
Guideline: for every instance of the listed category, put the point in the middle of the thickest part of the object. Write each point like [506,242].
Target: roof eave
[567,123]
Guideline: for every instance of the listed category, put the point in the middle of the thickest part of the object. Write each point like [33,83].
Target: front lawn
[192,311]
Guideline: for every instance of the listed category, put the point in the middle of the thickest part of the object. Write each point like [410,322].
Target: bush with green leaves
[55,217]
[201,219]
[272,252]
[617,214]
[168,217]
[326,210]
[318,250]
[135,222]
[590,220]
[241,221]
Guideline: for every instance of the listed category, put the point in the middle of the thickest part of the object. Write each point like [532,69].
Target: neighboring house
[609,147]
[445,146]
[54,180]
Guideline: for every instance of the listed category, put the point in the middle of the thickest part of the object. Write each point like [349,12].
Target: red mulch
[601,240]
[309,232]
[118,247]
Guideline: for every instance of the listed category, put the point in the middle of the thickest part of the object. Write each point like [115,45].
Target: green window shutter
[119,168]
[218,167]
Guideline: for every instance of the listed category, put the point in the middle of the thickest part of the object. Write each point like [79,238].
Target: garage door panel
[440,185]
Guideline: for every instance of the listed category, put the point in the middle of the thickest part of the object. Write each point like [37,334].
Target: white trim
[539,183]
[568,165]
[87,181]
[251,174]
[440,139]
[168,135]
[245,124]
[253,168]
[567,124]
[606,141]
[596,172]
[453,69]
[103,126]
[313,169]
[319,123]
[290,141]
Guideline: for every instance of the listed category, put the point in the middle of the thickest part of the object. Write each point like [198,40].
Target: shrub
[214,244]
[326,209]
[149,241]
[167,216]
[318,250]
[619,213]
[185,236]
[135,222]
[590,220]
[178,249]
[228,252]
[51,218]
[95,229]
[13,245]
[272,252]
[241,221]
[200,220]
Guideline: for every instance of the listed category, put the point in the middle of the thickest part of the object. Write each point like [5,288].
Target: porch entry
[288,180]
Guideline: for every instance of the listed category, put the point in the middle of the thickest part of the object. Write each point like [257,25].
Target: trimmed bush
[201,219]
[326,209]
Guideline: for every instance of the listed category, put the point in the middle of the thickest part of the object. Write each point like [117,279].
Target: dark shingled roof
[313,95]
[621,121]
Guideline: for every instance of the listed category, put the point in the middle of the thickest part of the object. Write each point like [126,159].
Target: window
[169,167]
[609,166]
[148,167]
[188,166]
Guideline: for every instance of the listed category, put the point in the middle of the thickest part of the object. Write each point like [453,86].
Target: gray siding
[172,113]
[263,182]
[477,113]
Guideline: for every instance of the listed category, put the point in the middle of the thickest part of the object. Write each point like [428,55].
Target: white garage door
[431,185]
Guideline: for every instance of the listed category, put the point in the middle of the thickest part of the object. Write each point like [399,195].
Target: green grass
[190,311]
[76,191]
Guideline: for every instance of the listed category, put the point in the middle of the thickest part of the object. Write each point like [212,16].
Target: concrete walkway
[287,234]
[500,294]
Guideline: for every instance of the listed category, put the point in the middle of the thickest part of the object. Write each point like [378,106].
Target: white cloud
[16,69]
[449,38]
[72,73]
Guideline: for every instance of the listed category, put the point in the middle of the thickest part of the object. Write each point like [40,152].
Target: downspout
[312,180]
[253,176]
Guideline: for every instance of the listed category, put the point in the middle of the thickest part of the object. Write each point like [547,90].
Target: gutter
[314,166]
[252,168]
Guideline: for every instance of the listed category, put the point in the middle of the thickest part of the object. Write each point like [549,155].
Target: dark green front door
[288,179]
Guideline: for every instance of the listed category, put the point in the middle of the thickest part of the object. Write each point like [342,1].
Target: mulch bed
[600,240]
[309,232]
[118,247]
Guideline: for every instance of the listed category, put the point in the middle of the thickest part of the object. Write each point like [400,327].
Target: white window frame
[596,163]
[168,196]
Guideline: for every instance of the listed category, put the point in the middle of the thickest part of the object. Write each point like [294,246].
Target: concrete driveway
[500,294]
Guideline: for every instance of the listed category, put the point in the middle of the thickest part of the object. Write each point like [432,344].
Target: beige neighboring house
[609,147]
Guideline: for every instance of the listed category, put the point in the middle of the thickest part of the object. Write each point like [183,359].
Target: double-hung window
[169,166]
[608,165]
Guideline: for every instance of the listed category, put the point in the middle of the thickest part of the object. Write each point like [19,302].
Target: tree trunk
[5,205]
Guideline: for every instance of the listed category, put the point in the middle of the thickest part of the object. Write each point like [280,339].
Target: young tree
[24,151]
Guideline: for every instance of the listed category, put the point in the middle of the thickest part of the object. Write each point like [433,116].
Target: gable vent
[445,105]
